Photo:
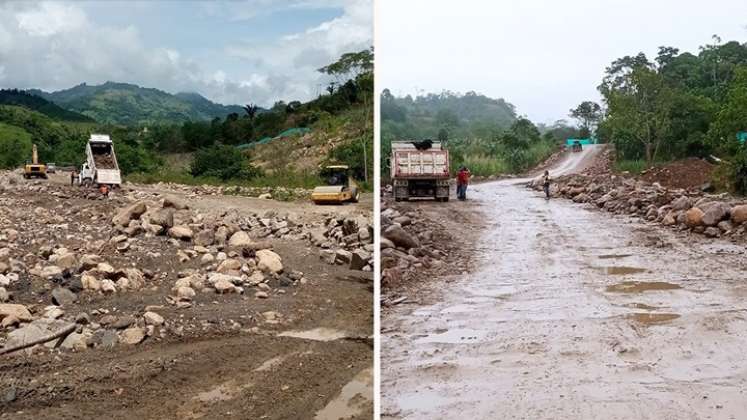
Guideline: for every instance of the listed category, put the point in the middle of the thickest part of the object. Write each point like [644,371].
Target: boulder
[694,217]
[131,212]
[174,202]
[715,213]
[17,311]
[269,261]
[132,335]
[739,214]
[42,327]
[682,203]
[400,237]
[343,256]
[359,259]
[152,318]
[180,232]
[162,217]
[90,282]
[63,297]
[240,239]
[205,237]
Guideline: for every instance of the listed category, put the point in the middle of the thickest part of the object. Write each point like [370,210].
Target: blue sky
[229,51]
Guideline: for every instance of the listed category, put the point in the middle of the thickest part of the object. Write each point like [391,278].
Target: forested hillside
[251,145]
[679,105]
[128,104]
[37,103]
[482,133]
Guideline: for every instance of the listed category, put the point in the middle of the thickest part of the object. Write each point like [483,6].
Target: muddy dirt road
[573,314]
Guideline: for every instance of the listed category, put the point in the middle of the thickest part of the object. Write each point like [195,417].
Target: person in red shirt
[462,181]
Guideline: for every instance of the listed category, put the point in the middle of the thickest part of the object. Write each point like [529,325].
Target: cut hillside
[307,152]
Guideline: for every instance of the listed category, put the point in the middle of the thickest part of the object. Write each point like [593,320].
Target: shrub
[223,162]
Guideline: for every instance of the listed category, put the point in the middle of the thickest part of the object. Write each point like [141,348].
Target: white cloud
[50,19]
[56,45]
[297,56]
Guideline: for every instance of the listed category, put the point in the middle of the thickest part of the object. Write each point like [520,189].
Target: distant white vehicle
[101,166]
[51,168]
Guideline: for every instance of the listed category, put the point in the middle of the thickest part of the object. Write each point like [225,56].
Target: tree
[251,110]
[443,135]
[589,114]
[350,65]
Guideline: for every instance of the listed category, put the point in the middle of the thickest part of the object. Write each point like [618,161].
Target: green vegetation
[481,133]
[634,167]
[41,105]
[128,104]
[679,105]
[15,146]
[340,123]
[222,162]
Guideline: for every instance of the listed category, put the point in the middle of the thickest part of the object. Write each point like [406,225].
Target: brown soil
[104,161]
[219,358]
[689,173]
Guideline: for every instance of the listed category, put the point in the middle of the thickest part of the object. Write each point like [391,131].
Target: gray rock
[63,297]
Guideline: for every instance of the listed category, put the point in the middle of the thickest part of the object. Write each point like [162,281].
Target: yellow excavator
[340,188]
[34,169]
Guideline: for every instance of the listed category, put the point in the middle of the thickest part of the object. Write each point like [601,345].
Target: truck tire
[355,197]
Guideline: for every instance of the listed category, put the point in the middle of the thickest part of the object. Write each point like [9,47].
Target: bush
[223,162]
[15,147]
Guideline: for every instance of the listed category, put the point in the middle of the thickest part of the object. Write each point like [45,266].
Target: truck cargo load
[420,169]
[101,166]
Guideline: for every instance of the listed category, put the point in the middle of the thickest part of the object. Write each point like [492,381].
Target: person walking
[546,184]
[462,182]
[73,175]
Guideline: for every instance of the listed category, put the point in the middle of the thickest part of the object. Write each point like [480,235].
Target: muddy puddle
[641,286]
[317,334]
[621,270]
[354,398]
[647,318]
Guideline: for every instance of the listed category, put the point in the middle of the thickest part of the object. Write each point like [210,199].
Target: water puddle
[649,318]
[613,256]
[223,392]
[642,286]
[354,399]
[317,334]
[621,270]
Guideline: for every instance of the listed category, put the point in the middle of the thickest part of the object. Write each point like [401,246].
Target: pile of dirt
[104,161]
[688,174]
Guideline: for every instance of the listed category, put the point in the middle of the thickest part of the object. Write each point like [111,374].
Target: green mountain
[128,104]
[41,105]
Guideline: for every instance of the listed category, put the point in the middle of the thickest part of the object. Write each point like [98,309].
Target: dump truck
[34,169]
[420,169]
[340,188]
[100,167]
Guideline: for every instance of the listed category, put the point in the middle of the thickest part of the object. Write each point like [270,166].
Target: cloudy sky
[233,52]
[544,56]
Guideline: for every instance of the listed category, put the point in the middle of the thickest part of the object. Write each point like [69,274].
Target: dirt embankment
[688,174]
[181,305]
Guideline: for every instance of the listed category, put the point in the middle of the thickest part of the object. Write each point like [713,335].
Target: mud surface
[573,314]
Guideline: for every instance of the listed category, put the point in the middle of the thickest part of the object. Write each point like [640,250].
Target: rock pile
[412,244]
[345,241]
[63,257]
[694,210]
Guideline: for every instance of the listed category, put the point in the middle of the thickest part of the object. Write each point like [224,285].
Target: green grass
[632,166]
[480,165]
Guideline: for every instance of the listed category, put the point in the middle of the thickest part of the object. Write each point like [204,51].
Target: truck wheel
[356,197]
